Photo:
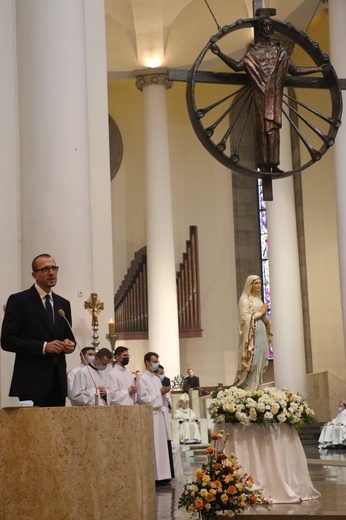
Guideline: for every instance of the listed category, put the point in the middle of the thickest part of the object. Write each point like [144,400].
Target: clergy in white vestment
[89,383]
[188,422]
[120,382]
[150,392]
[173,447]
[87,355]
[334,432]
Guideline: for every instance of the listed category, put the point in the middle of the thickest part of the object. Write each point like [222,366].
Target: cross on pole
[94,306]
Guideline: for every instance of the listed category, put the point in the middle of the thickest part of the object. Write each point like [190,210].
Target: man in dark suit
[33,329]
[165,381]
[191,381]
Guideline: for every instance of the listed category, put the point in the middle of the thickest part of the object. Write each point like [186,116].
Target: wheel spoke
[334,122]
[201,112]
[222,144]
[315,154]
[327,140]
[211,128]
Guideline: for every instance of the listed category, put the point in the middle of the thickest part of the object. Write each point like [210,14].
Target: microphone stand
[61,313]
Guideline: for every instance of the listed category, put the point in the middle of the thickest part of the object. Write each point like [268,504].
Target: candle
[111,326]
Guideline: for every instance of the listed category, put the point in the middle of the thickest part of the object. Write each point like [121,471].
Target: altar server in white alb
[173,447]
[89,383]
[150,392]
[188,422]
[87,355]
[120,383]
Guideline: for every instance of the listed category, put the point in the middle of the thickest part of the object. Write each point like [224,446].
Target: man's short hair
[34,262]
[160,366]
[104,352]
[148,355]
[119,350]
[85,350]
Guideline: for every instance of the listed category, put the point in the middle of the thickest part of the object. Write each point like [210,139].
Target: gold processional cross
[94,306]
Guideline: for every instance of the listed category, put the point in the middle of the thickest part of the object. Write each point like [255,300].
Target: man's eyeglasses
[45,270]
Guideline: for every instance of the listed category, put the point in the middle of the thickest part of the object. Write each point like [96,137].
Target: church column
[9,180]
[162,295]
[337,24]
[286,300]
[59,152]
[100,182]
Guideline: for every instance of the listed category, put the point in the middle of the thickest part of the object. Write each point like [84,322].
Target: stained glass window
[262,205]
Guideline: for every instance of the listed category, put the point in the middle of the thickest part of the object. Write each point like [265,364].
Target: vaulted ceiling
[171,33]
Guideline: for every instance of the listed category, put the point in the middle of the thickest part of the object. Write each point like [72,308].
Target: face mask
[90,359]
[101,367]
[125,361]
[154,366]
[162,377]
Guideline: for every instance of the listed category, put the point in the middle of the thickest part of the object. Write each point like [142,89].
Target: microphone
[61,313]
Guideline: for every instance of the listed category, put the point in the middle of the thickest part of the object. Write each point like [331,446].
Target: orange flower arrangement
[220,486]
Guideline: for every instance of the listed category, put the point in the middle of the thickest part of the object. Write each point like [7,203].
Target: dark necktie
[49,312]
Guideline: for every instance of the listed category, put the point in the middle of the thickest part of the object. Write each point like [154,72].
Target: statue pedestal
[81,462]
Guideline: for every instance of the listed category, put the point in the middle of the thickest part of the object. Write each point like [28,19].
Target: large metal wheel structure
[220,121]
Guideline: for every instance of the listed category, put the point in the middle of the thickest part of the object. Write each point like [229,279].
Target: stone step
[310,433]
[190,450]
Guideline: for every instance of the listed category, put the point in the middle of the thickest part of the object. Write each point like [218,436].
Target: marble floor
[327,470]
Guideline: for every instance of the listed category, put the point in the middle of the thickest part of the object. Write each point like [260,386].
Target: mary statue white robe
[117,384]
[255,335]
[85,386]
[149,393]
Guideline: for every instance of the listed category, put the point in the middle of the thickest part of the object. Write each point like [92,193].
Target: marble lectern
[91,463]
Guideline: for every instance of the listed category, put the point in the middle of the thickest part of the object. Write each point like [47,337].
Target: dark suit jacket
[166,381]
[24,330]
[191,382]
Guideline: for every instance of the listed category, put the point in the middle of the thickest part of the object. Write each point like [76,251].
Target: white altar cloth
[274,457]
